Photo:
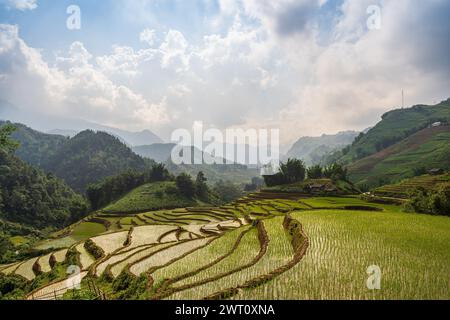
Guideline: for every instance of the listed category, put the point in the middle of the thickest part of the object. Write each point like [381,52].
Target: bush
[93,249]
[185,185]
[315,172]
[335,172]
[431,202]
[10,286]
[290,172]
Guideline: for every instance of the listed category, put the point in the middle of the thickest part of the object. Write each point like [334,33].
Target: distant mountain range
[69,127]
[237,173]
[312,149]
[160,152]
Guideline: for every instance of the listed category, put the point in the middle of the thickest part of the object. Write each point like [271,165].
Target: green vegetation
[411,250]
[113,188]
[205,252]
[290,172]
[30,201]
[87,230]
[404,188]
[30,197]
[36,148]
[6,143]
[425,150]
[430,201]
[311,150]
[395,126]
[91,156]
[153,196]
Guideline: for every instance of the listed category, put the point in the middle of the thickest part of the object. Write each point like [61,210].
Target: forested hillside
[33,198]
[91,156]
[395,126]
[36,148]
[312,149]
[30,200]
[415,155]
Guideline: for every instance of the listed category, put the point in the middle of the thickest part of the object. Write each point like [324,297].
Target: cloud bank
[306,67]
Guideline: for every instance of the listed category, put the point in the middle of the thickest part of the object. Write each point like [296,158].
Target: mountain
[63,132]
[395,126]
[127,137]
[312,149]
[91,156]
[236,173]
[422,151]
[70,126]
[36,148]
[160,152]
[34,199]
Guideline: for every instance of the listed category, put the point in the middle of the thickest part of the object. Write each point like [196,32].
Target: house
[436,172]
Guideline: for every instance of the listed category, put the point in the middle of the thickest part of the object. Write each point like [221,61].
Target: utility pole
[403,99]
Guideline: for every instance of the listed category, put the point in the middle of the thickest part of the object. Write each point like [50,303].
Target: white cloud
[22,5]
[260,67]
[148,36]
[173,51]
[75,86]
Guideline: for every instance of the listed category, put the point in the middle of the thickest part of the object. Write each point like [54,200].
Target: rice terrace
[266,245]
[224,157]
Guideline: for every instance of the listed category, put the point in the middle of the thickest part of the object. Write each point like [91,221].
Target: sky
[305,67]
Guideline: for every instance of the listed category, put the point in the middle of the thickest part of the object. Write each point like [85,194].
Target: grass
[412,251]
[165,256]
[247,250]
[395,125]
[200,258]
[18,240]
[111,242]
[340,187]
[149,197]
[132,257]
[427,149]
[279,253]
[401,189]
[86,259]
[26,269]
[149,234]
[86,230]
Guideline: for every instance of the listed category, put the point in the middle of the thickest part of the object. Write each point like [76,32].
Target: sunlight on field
[412,251]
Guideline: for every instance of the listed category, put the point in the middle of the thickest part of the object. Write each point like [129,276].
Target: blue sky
[305,66]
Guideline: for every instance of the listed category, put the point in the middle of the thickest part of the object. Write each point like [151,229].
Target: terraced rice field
[44,262]
[412,251]
[133,257]
[26,269]
[163,257]
[86,259]
[264,246]
[111,242]
[401,190]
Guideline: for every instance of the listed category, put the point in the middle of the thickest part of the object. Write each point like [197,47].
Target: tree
[185,185]
[315,172]
[256,183]
[159,173]
[6,143]
[430,201]
[227,191]
[293,171]
[335,172]
[5,246]
[290,172]
[201,188]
